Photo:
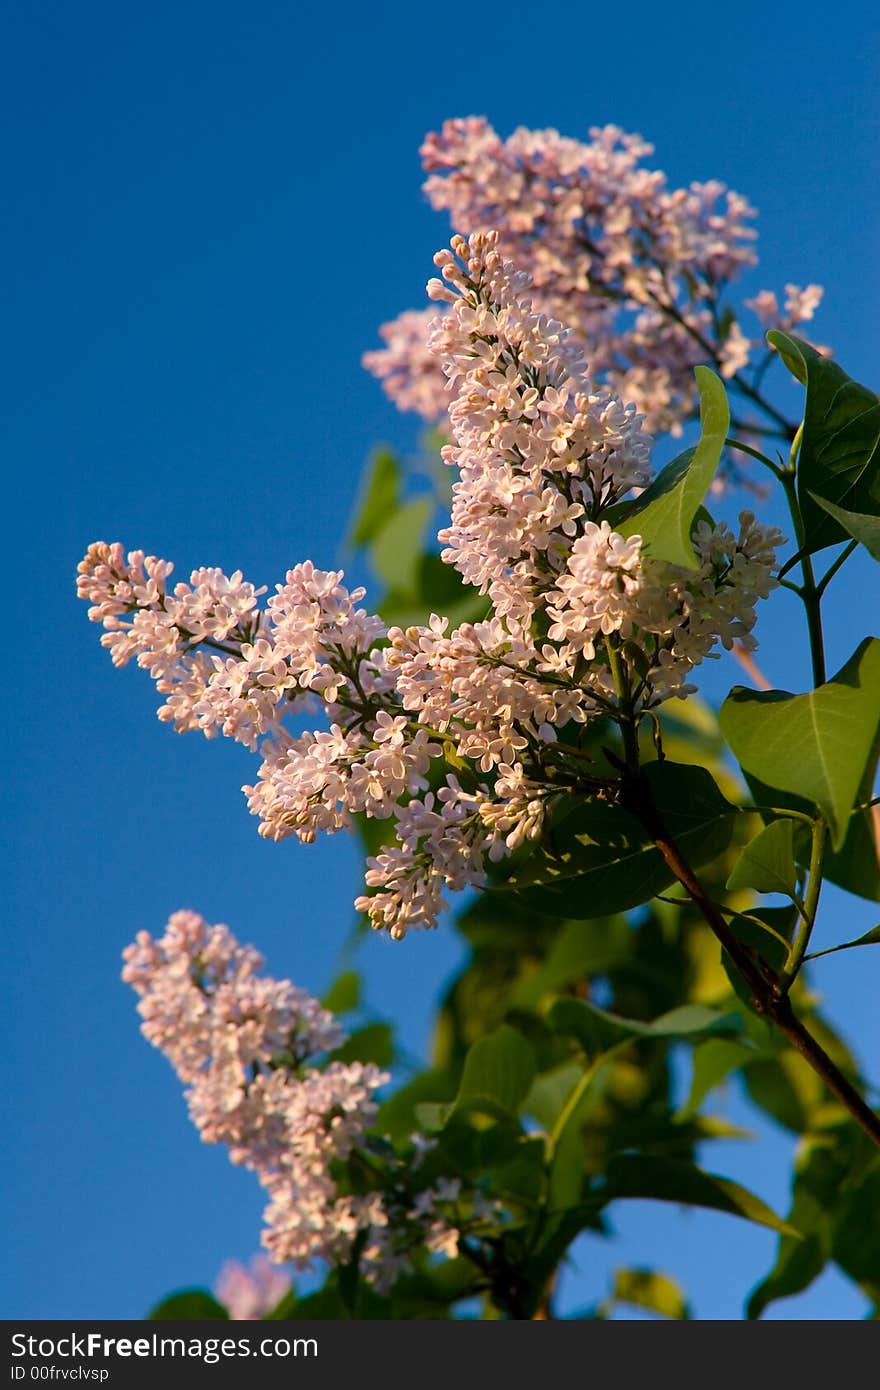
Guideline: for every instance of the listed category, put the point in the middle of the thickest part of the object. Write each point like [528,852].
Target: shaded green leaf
[838,460]
[596,1029]
[583,948]
[786,1088]
[815,745]
[188,1305]
[344,994]
[829,1165]
[767,930]
[551,1091]
[801,1262]
[600,860]
[767,862]
[498,1068]
[713,1062]
[664,514]
[856,1237]
[668,1180]
[374,1043]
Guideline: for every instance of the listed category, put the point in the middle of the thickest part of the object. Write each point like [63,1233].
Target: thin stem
[811,903]
[768,997]
[830,573]
[809,594]
[785,812]
[738,380]
[628,727]
[755,454]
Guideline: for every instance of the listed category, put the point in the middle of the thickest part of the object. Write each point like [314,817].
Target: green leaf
[870,938]
[861,527]
[596,1029]
[371,1044]
[664,514]
[856,865]
[815,745]
[647,1288]
[768,931]
[671,1180]
[499,1068]
[856,1240]
[713,1062]
[551,1091]
[786,1088]
[798,1264]
[767,862]
[379,498]
[344,994]
[838,459]
[188,1305]
[600,860]
[581,949]
[325,1305]
[397,548]
[829,1166]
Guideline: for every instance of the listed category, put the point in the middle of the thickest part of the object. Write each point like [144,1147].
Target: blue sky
[209,211]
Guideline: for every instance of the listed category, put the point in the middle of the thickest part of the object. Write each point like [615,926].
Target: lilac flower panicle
[636,268]
[250,1292]
[249,1050]
[457,737]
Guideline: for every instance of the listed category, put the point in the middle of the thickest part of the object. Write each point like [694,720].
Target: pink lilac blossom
[248,1049]
[636,268]
[250,1292]
[459,739]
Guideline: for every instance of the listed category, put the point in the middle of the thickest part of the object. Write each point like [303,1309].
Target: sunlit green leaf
[664,514]
[861,527]
[648,1288]
[396,550]
[815,745]
[870,938]
[379,498]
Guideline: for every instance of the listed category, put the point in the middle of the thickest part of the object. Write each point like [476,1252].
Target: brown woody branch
[769,999]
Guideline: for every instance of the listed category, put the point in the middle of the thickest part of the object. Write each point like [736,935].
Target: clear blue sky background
[209,209]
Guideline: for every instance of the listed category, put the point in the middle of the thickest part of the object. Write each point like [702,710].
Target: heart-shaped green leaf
[817,745]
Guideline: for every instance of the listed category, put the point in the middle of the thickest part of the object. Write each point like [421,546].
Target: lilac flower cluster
[639,270]
[249,1050]
[460,739]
